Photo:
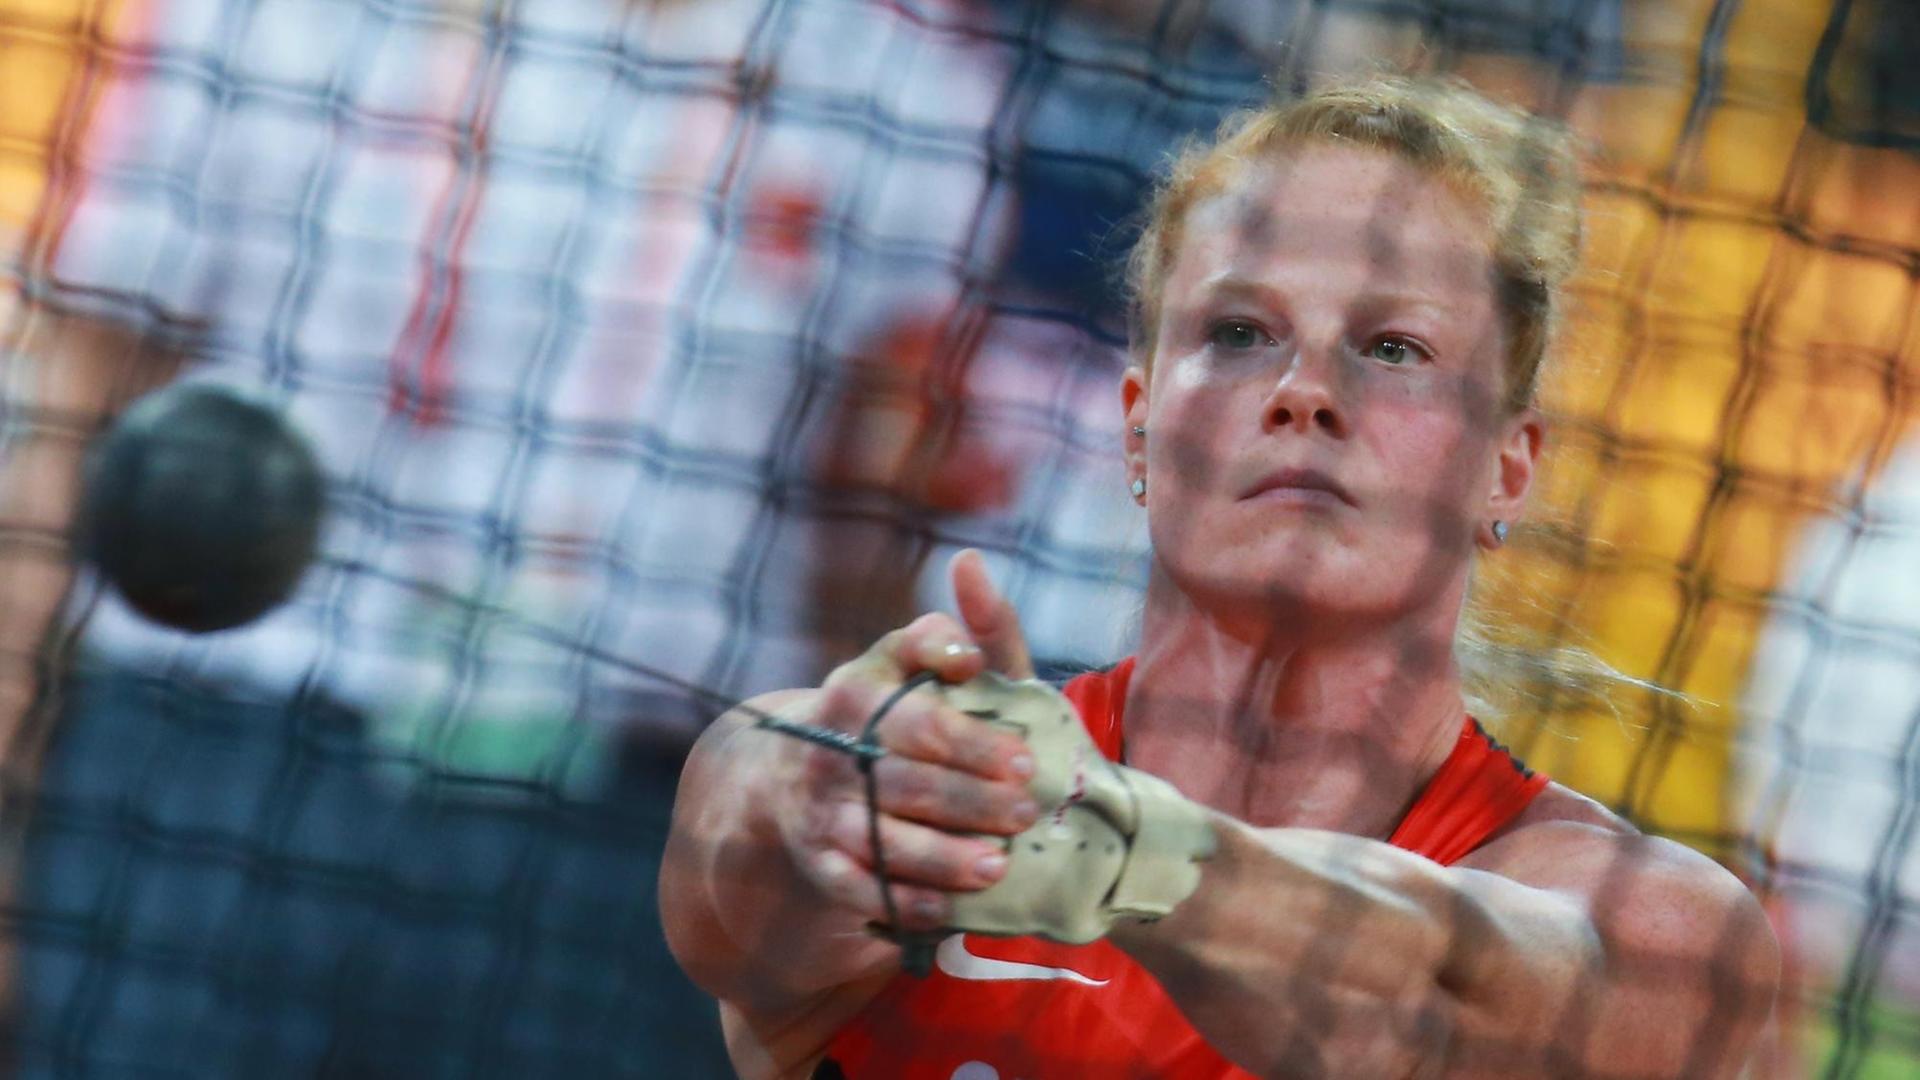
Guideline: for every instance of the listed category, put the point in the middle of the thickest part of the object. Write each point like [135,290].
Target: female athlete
[1341,311]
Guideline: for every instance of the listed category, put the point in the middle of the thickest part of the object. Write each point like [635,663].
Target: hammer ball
[201,506]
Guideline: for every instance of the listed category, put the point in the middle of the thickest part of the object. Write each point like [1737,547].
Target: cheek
[1197,422]
[1431,467]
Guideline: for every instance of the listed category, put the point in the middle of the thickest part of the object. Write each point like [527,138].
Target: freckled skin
[1333,313]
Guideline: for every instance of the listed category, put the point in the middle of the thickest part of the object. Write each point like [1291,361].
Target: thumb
[988,616]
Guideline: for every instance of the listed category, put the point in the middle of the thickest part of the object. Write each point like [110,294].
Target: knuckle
[815,828]
[887,649]
[916,727]
[848,883]
[830,870]
[847,826]
[840,705]
[822,771]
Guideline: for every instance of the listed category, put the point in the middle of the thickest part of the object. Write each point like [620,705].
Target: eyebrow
[1228,286]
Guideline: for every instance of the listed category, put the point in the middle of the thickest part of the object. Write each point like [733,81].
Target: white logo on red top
[953,958]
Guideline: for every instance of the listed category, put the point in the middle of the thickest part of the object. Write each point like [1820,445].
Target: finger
[848,699]
[847,884]
[933,642]
[989,619]
[947,799]
[938,643]
[923,727]
[919,855]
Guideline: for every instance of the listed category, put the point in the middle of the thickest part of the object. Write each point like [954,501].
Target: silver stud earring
[1139,432]
[1139,487]
[1499,533]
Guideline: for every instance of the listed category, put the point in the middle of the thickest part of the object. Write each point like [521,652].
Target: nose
[1304,398]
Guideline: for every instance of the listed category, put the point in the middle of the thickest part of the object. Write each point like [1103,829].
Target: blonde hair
[1523,171]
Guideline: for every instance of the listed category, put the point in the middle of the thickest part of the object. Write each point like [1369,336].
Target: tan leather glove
[1112,842]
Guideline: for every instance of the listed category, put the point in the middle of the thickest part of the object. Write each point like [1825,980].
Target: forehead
[1341,216]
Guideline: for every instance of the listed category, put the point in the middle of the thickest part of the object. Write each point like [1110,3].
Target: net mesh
[696,334]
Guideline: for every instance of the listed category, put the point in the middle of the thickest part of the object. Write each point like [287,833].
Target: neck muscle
[1284,728]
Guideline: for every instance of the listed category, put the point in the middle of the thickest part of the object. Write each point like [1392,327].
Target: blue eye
[1237,334]
[1395,351]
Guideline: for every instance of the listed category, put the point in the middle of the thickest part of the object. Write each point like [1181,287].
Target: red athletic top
[1026,1009]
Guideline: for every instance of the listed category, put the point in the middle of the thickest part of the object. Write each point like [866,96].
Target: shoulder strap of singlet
[1480,788]
[1100,696]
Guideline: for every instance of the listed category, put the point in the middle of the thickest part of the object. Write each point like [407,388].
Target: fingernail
[928,908]
[954,650]
[991,866]
[1023,766]
[1027,812]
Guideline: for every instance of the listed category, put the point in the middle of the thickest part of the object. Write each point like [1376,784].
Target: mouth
[1302,486]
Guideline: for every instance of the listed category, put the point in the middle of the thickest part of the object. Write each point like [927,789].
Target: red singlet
[1027,1009]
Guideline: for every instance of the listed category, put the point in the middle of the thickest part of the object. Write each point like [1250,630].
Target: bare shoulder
[1647,894]
[1689,963]
[1560,803]
[1566,841]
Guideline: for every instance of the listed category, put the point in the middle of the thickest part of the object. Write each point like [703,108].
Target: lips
[1300,483]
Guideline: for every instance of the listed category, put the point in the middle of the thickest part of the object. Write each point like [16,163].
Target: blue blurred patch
[218,889]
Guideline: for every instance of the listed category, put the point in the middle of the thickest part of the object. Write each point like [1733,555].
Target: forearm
[1312,953]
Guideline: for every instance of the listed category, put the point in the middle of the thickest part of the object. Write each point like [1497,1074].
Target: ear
[1133,403]
[1514,468]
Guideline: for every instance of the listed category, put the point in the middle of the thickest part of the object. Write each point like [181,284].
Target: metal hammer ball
[201,506]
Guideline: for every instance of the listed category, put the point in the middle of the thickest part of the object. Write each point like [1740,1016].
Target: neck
[1283,727]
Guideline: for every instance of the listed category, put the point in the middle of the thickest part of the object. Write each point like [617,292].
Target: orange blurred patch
[902,425]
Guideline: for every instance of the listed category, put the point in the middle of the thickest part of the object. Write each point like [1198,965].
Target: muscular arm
[1565,949]
[767,887]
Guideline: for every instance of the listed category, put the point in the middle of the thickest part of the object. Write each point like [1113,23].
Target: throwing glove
[1111,842]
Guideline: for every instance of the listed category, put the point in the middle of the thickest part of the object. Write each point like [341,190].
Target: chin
[1288,586]
[1297,581]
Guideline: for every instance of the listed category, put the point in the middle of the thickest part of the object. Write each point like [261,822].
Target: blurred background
[696,333]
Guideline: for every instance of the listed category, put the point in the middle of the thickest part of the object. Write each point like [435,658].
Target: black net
[658,353]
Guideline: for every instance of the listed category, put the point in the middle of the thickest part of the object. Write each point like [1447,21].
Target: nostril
[1324,418]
